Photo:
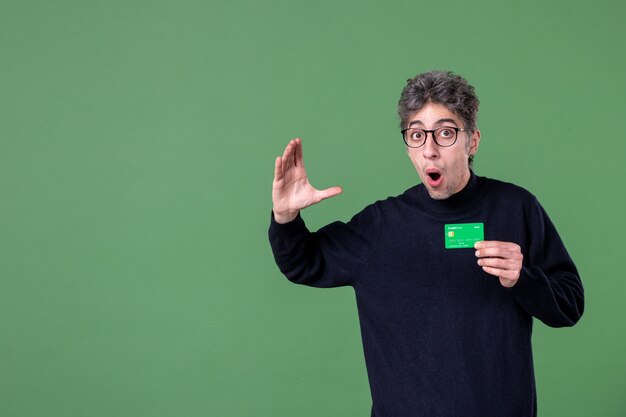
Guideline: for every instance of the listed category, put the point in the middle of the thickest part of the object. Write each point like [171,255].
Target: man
[445,313]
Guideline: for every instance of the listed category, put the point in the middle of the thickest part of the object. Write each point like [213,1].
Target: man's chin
[437,194]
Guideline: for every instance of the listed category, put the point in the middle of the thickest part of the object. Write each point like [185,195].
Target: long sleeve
[441,336]
[549,287]
[330,257]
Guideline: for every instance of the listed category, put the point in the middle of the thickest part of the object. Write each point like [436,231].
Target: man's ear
[474,142]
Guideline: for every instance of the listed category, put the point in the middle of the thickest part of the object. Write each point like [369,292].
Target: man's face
[443,170]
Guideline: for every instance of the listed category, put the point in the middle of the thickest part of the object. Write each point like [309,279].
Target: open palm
[291,190]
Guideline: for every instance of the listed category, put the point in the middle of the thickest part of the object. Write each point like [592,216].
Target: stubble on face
[456,176]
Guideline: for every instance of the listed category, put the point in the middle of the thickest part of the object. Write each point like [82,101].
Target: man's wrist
[282,218]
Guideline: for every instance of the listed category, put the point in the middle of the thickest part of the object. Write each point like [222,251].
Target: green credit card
[463,235]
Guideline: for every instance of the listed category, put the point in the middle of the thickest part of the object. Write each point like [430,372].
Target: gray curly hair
[440,87]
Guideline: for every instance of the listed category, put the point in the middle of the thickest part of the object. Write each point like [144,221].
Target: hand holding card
[501,259]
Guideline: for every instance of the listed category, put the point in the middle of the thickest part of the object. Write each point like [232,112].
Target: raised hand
[291,190]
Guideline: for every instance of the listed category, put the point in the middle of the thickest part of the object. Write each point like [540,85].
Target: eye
[446,133]
[416,134]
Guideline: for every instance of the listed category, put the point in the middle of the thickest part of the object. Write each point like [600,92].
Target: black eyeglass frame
[432,132]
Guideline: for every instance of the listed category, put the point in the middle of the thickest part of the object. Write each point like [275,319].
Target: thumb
[328,193]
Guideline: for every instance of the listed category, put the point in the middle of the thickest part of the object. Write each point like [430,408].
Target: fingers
[503,266]
[289,152]
[501,259]
[499,252]
[292,155]
[298,160]
[495,244]
[497,249]
[507,279]
[278,169]
[281,162]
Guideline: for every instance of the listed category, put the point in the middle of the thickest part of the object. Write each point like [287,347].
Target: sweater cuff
[527,284]
[286,229]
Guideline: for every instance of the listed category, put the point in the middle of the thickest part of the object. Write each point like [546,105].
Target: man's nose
[431,150]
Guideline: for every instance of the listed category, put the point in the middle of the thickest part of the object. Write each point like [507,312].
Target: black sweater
[441,337]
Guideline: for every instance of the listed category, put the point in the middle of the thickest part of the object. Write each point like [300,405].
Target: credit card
[463,235]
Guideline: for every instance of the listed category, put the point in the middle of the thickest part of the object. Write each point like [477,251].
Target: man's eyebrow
[438,122]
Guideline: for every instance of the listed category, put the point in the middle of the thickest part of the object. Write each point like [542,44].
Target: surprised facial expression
[444,171]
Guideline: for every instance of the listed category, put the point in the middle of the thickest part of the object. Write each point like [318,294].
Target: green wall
[137,141]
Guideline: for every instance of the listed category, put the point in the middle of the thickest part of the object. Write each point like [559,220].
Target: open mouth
[434,176]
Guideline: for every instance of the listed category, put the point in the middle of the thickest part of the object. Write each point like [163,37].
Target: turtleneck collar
[460,201]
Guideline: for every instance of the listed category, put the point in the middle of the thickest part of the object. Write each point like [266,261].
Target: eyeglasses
[443,136]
